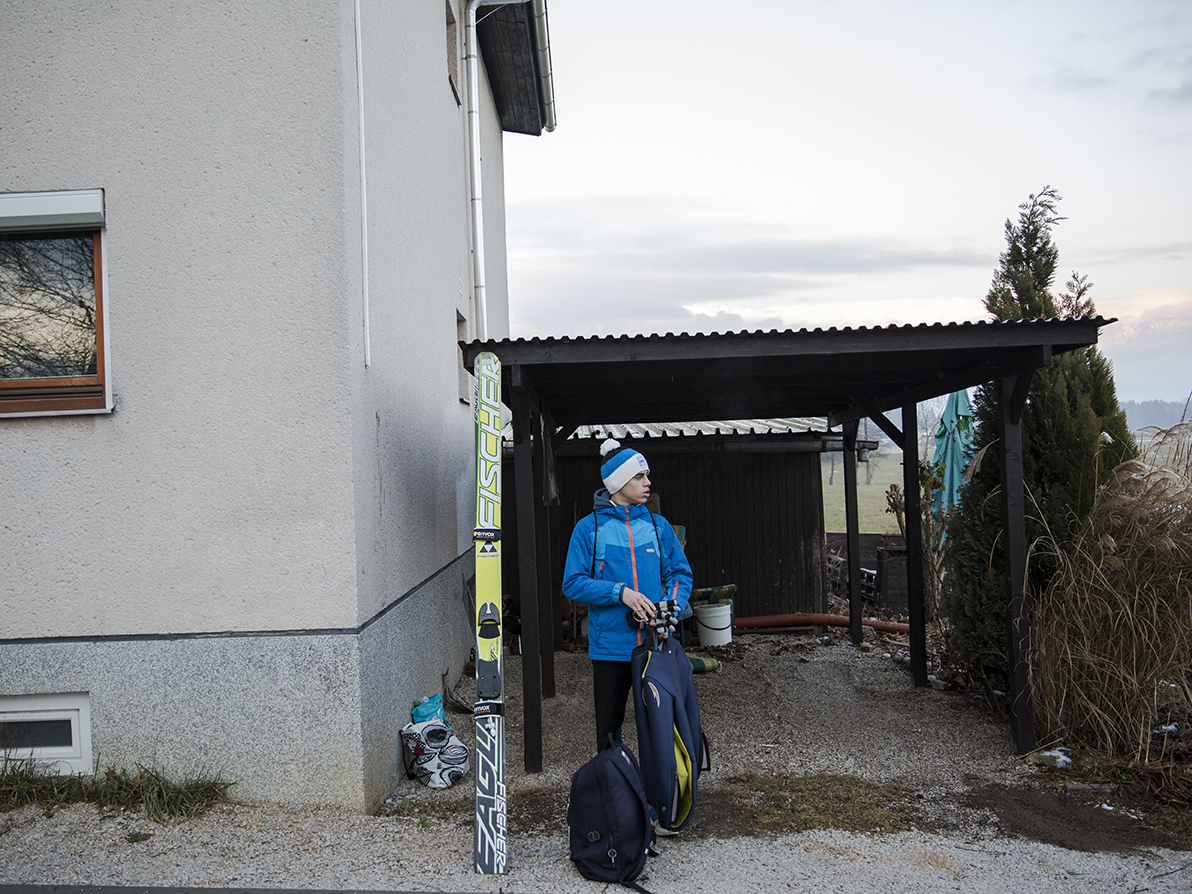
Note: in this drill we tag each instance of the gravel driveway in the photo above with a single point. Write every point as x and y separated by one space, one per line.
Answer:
783 711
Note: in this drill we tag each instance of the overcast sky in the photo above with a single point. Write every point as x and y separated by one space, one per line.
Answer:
722 167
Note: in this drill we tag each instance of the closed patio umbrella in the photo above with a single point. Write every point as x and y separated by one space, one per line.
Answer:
954 446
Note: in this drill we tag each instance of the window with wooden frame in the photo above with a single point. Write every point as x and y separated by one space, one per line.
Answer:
53 356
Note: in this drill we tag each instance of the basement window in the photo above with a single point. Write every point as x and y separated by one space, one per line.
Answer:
54 730
53 357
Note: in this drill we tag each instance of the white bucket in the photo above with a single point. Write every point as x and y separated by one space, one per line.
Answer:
714 623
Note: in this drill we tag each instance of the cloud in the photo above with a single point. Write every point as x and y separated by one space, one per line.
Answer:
1069 80
1172 319
1149 352
793 256
593 300
1170 63
634 235
1179 95
615 265
1168 251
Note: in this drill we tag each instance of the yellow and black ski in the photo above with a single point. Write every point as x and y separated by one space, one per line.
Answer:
489 850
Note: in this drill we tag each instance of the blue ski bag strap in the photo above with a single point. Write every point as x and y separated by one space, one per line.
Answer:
608 818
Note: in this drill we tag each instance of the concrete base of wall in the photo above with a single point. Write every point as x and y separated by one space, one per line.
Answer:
405 653
296 716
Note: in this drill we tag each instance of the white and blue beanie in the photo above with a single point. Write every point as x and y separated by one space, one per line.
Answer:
619 464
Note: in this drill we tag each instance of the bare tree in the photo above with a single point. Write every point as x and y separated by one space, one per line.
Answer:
929 412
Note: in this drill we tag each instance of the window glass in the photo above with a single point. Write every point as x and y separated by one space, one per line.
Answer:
19 734
48 306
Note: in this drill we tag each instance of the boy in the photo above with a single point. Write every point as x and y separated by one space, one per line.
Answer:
622 556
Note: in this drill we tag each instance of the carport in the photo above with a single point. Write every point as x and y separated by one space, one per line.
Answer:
555 385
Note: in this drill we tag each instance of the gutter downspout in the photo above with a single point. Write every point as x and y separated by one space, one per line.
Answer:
546 97
472 64
546 84
363 193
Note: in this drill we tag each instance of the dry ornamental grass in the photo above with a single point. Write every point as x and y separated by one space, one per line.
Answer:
1112 634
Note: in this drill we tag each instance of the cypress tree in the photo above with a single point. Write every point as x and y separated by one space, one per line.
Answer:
1073 433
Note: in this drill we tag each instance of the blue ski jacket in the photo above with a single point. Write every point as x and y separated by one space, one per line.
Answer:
633 548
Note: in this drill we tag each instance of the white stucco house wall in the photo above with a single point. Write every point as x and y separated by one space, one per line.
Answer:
239 540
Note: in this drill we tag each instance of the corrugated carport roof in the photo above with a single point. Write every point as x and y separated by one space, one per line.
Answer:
842 374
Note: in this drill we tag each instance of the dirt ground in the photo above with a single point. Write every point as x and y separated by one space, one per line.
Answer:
807 735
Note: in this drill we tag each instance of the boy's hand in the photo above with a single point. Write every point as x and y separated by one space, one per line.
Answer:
638 603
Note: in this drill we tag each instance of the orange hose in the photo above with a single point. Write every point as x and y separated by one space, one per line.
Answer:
808 619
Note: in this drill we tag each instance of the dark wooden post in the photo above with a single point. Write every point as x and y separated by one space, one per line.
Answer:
852 525
556 582
550 621
523 473
914 543
545 576
1012 391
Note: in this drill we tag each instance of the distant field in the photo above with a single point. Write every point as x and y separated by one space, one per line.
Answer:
886 469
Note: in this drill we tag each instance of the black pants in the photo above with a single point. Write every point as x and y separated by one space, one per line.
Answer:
611 682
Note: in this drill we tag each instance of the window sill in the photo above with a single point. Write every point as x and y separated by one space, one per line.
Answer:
57 405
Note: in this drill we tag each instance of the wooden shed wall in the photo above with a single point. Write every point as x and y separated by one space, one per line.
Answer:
753 519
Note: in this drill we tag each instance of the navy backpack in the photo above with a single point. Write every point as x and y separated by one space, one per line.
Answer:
608 818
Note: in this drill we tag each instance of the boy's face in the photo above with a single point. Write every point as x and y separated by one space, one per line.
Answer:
635 492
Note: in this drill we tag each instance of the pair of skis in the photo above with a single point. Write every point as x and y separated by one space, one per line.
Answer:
489 854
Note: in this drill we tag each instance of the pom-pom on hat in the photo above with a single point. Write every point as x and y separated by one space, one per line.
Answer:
619 464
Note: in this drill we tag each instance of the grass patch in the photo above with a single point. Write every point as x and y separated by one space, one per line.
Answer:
883 470
777 805
24 782
1173 821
